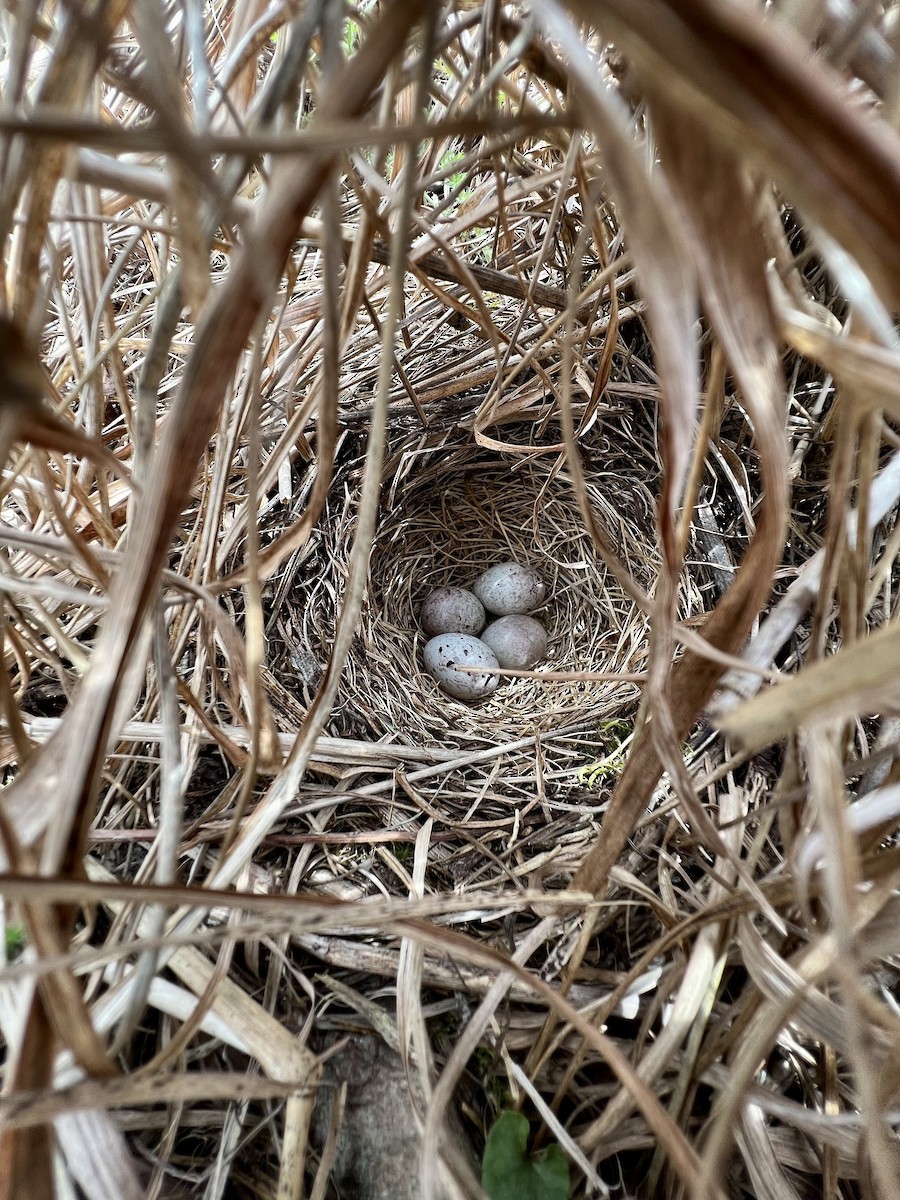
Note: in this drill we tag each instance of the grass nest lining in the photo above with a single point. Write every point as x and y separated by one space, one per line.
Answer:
450 510
302 205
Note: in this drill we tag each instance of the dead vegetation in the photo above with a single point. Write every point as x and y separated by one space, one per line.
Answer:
312 307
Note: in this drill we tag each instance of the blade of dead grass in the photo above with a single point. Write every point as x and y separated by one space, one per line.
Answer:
703 967
414 1045
716 198
33 1108
731 274
754 83
97 1156
681 1155
787 614
842 878
283 789
220 340
763 1168
66 85
667 278
859 679
871 373
61 784
27 1156
64 771
283 1056
732 281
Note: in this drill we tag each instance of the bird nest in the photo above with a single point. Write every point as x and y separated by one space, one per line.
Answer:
449 509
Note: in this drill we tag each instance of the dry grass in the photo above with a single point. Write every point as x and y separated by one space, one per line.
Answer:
307 312
456 510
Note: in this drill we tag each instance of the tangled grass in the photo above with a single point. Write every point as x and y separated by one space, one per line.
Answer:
311 308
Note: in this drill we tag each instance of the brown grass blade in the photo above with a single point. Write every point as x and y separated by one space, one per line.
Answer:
65 85
733 284
26 1156
72 759
754 83
667 276
859 679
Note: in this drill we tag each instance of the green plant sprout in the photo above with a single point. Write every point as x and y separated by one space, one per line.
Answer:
15 941
618 734
484 1067
457 178
508 1171
351 38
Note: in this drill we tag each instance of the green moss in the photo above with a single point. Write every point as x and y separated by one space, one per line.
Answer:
613 734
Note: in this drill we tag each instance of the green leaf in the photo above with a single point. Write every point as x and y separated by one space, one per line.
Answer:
508 1173
15 941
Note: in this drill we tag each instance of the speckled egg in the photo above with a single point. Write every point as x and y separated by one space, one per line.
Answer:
510 588
517 641
442 654
452 610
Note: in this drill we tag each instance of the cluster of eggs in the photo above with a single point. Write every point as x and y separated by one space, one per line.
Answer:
456 621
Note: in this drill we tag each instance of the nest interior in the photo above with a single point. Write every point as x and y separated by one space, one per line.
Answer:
450 509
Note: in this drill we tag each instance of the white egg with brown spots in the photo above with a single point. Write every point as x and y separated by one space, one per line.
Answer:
518 642
444 653
452 610
509 588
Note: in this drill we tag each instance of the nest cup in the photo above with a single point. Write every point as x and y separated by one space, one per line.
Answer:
448 513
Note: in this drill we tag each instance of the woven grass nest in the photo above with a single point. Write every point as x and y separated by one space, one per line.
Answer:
450 509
